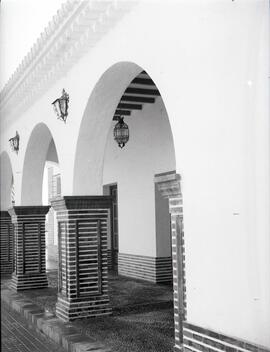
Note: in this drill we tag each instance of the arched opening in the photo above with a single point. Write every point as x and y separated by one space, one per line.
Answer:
95 126
51 189
128 175
6 181
40 149
41 183
139 238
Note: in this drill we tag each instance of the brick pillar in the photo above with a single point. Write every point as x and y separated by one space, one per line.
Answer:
29 247
83 267
6 233
50 217
169 186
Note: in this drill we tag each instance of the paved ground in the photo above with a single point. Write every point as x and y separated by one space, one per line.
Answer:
142 319
16 336
133 332
125 294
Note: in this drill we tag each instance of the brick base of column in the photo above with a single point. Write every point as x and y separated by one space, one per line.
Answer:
152 269
112 259
6 269
29 247
109 256
28 282
82 307
83 265
6 236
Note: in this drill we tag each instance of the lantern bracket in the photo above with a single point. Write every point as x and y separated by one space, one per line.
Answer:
60 106
15 142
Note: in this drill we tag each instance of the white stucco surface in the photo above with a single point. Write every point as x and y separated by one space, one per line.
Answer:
6 179
210 61
148 152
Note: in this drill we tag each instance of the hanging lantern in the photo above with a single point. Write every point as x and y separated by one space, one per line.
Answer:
61 106
14 142
121 132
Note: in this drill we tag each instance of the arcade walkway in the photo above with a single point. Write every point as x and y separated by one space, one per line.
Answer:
142 319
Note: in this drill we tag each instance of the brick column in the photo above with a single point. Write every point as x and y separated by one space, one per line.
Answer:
6 233
169 186
29 247
83 266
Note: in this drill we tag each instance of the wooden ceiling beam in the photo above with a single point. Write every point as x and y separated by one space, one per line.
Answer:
129 106
142 91
123 112
137 99
146 81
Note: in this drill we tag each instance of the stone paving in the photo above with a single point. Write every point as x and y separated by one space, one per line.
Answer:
17 336
142 319
126 294
140 332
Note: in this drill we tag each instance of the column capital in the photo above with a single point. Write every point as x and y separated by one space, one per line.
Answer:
26 210
82 202
169 184
4 214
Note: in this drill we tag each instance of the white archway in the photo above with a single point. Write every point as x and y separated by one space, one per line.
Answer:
150 151
95 147
40 147
142 218
95 126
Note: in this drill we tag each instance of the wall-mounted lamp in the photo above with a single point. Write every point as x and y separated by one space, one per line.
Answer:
14 142
121 132
61 106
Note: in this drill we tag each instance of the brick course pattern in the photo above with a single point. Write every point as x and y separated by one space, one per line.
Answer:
189 337
152 269
200 339
83 264
169 186
6 236
112 256
29 247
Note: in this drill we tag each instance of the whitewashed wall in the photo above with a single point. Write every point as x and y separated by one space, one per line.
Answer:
148 152
210 62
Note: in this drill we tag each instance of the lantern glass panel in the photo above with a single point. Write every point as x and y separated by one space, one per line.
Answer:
56 106
63 106
15 143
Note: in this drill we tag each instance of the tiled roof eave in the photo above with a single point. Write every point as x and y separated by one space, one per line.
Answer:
72 31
